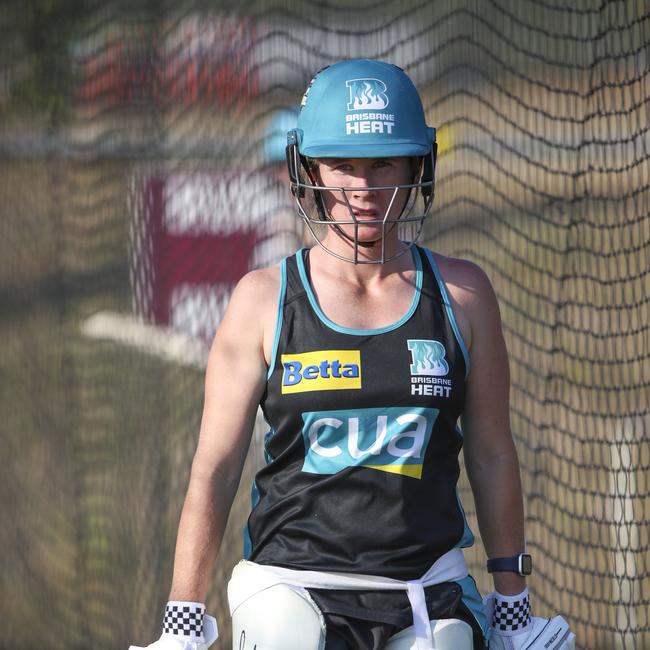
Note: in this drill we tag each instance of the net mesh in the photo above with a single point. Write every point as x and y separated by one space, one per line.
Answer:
139 183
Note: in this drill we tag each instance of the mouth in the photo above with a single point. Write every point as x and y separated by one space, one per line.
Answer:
366 215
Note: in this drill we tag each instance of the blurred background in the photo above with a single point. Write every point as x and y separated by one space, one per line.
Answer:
140 179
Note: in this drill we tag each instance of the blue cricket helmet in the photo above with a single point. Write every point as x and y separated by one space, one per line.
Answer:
362 109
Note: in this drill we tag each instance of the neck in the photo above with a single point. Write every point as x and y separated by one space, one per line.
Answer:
360 274
367 253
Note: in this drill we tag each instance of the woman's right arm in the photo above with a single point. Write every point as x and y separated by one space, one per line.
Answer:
235 380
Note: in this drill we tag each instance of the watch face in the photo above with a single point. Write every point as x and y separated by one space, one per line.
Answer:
526 564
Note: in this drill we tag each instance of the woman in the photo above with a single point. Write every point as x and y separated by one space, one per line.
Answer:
363 353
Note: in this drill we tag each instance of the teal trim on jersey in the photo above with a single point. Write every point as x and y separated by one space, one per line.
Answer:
450 310
360 332
255 497
278 320
267 436
467 539
474 602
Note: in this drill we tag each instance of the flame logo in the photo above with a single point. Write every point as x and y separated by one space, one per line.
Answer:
428 358
367 94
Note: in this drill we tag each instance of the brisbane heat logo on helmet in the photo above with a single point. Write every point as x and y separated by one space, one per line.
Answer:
367 94
371 97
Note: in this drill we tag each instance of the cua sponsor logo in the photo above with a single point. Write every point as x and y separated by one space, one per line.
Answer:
321 370
391 439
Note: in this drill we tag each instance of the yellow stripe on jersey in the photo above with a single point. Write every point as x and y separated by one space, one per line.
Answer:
414 471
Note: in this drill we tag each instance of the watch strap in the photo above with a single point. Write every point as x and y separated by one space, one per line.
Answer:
521 564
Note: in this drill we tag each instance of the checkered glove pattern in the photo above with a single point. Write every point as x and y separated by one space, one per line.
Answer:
513 628
511 613
186 626
184 619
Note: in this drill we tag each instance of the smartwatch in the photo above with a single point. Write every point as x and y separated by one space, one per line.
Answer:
521 564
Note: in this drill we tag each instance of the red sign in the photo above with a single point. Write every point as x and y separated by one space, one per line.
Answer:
189 250
200 61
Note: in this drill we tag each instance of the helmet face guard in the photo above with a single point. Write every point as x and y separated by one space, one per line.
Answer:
362 109
409 221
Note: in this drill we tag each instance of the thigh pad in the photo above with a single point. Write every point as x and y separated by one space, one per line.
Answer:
278 618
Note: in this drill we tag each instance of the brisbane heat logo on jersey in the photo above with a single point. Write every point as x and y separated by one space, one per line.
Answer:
368 95
391 439
427 357
428 368
321 370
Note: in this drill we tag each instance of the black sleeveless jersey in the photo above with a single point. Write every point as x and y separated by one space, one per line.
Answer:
362 452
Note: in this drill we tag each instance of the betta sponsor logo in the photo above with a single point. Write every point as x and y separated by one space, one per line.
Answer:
321 370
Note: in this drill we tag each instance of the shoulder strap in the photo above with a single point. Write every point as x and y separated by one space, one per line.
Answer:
295 287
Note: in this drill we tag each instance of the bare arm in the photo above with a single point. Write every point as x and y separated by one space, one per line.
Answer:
489 450
234 383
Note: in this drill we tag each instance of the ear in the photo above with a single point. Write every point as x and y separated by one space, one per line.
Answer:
311 167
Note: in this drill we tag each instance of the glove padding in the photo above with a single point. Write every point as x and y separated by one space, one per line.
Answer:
172 642
539 634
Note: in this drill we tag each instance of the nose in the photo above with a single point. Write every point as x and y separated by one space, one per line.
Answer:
363 186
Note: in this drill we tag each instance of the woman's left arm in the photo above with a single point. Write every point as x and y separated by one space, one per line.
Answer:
492 465
489 450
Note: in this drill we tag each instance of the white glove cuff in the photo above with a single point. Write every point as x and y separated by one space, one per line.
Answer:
511 614
184 620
